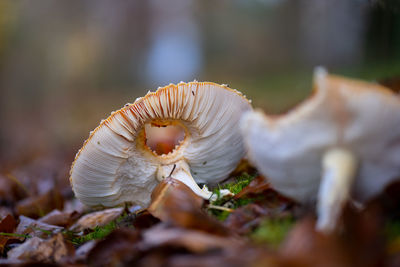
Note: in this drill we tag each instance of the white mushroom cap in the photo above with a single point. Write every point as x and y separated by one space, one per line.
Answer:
116 166
351 115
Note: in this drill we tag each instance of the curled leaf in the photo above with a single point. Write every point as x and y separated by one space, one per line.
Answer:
98 218
35 249
176 203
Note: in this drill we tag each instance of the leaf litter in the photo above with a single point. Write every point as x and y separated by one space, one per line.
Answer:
254 227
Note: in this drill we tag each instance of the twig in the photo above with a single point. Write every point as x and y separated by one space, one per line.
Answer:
211 206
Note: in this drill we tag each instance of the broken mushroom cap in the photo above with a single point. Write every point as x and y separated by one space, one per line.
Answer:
343 141
115 165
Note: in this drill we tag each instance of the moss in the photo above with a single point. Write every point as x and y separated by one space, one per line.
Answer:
99 232
392 234
240 182
272 231
221 215
235 187
392 230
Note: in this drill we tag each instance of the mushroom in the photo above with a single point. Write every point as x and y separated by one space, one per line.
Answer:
116 166
343 142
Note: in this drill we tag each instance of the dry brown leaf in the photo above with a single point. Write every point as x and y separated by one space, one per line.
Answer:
191 240
11 262
358 243
159 244
7 225
60 218
9 189
144 220
38 206
171 192
165 246
362 235
83 251
53 250
117 248
306 247
256 186
35 228
244 219
98 218
176 203
5 211
267 203
235 257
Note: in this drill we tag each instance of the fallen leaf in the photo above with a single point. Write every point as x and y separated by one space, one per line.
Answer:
176 203
28 226
170 246
11 262
116 249
83 251
144 220
38 206
358 243
53 250
98 218
5 211
244 219
256 186
266 203
306 247
60 218
192 240
173 190
9 190
362 236
244 255
394 246
158 245
7 225
393 261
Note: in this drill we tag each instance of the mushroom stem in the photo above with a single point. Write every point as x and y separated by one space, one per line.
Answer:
339 168
180 171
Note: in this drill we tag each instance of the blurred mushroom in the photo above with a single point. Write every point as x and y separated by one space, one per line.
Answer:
115 165
348 131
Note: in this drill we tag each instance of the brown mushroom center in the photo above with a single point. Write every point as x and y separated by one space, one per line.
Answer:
163 138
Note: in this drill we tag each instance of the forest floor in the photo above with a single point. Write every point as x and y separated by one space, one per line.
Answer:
42 222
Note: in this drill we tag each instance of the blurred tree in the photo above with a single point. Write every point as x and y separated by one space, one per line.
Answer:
383 35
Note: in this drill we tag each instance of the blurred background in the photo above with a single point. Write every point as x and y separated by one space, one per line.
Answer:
65 65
